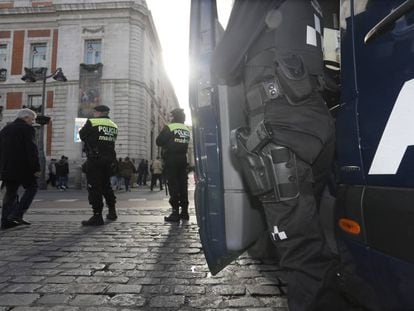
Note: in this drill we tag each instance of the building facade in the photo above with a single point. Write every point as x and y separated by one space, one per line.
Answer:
109 52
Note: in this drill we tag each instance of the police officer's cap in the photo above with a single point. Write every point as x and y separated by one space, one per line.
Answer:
101 108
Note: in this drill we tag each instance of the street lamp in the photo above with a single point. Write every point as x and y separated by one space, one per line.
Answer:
40 74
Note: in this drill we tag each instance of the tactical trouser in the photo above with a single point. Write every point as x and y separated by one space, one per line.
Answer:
98 175
285 185
176 175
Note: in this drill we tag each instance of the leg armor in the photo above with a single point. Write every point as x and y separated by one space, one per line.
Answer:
270 170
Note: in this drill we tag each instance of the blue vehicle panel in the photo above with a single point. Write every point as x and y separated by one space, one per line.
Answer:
375 154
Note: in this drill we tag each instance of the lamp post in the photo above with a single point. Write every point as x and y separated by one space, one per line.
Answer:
40 74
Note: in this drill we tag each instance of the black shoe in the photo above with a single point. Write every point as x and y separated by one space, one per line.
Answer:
95 220
23 222
174 217
9 224
112 215
184 216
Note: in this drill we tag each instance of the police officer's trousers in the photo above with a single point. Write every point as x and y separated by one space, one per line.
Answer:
310 267
177 179
99 171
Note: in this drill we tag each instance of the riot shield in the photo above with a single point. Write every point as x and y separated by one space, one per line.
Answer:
228 222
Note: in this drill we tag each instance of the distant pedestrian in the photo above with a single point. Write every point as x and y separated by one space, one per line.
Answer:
145 173
119 178
62 173
99 135
174 139
19 166
141 170
126 171
52 173
156 171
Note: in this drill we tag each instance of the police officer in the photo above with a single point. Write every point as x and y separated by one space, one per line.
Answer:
274 49
99 134
174 139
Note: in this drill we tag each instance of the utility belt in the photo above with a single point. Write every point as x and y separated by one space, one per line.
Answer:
291 80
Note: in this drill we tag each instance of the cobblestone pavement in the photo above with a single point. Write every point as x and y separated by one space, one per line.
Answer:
125 265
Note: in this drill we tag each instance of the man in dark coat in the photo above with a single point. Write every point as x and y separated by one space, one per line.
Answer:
19 166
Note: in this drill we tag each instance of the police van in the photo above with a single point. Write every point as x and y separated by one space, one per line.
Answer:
369 51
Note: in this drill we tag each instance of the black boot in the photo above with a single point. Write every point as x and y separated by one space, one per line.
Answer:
184 215
111 214
95 220
174 217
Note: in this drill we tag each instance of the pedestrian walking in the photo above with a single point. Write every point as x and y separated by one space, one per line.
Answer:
51 168
145 173
62 173
99 135
19 166
126 171
156 173
141 170
119 178
174 139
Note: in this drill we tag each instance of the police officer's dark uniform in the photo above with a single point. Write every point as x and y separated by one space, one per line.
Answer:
274 48
174 139
99 134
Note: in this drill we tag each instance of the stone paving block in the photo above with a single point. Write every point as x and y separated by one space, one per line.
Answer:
123 266
55 288
277 302
124 289
27 279
29 309
45 265
150 267
126 300
117 279
205 302
89 300
229 290
17 299
159 290
167 301
101 309
135 273
19 265
44 272
263 290
171 281
59 279
243 302
21 288
87 288
77 272
189 290
63 308
90 279
70 265
54 299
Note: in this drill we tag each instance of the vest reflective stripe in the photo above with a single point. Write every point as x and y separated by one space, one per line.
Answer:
107 129
103 121
175 126
180 132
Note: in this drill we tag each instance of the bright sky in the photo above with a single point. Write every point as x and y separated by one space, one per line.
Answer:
172 21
